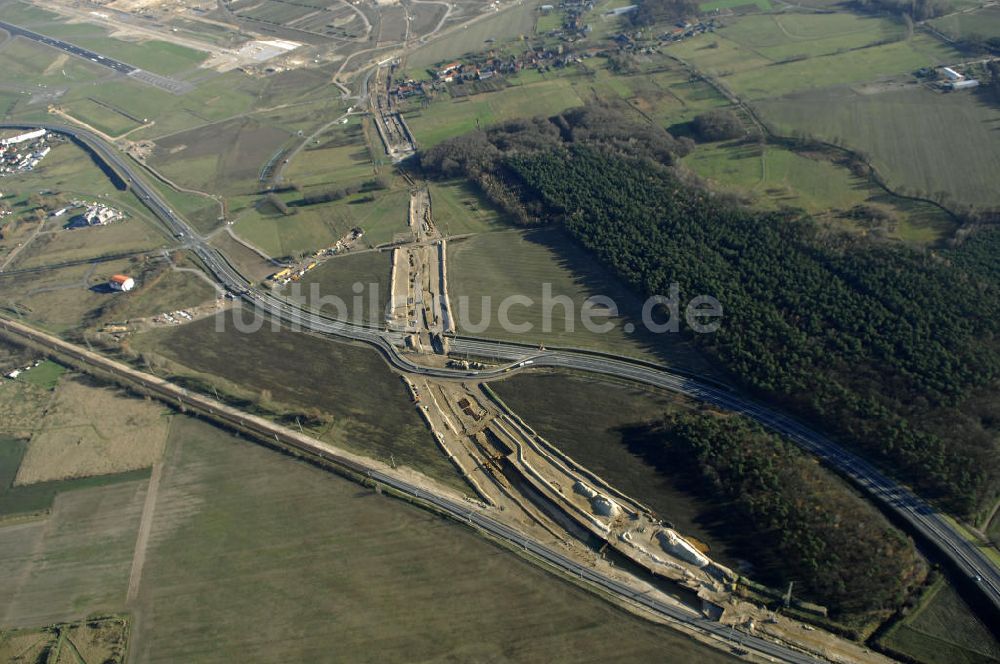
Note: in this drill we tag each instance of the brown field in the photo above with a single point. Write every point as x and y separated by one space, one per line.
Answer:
72 441
355 401
22 407
97 641
254 556
26 646
76 562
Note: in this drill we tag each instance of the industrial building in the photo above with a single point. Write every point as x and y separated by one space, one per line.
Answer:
21 138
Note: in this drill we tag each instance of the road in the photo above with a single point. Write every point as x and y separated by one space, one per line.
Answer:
923 519
460 511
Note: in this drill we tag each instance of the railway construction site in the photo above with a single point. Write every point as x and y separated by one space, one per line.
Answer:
539 529
418 300
395 135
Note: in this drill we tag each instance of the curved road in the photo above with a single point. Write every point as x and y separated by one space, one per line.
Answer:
924 520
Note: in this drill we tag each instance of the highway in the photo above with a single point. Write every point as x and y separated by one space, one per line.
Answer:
923 519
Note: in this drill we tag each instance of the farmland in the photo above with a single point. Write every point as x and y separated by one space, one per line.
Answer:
319 226
95 641
504 26
457 116
336 158
983 23
225 157
336 279
458 208
69 443
664 93
304 376
920 140
75 562
101 117
281 524
773 176
498 265
943 630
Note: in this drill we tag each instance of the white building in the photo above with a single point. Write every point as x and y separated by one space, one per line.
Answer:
121 282
952 74
964 84
21 138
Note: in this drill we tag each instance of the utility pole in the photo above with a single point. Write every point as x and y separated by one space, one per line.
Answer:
788 594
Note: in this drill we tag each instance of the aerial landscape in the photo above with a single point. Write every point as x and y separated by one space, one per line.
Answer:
500 331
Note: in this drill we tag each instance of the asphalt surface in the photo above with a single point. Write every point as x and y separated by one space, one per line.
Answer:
923 519
72 49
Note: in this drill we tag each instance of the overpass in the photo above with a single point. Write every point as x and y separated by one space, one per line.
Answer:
923 520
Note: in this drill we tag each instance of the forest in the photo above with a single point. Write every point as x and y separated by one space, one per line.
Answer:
890 350
838 550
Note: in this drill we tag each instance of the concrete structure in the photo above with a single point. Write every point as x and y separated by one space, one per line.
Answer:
964 84
21 138
121 282
951 74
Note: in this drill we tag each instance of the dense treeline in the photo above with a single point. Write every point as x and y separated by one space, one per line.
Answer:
918 10
482 155
721 125
331 195
838 550
649 12
891 350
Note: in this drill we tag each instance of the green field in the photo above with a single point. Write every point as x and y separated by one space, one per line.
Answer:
75 562
46 375
153 55
61 299
335 159
982 23
754 76
763 5
921 140
100 117
775 177
498 265
507 25
26 62
778 37
363 405
126 236
451 117
37 498
254 556
319 226
665 94
943 630
458 208
336 278
167 291
224 158
779 176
